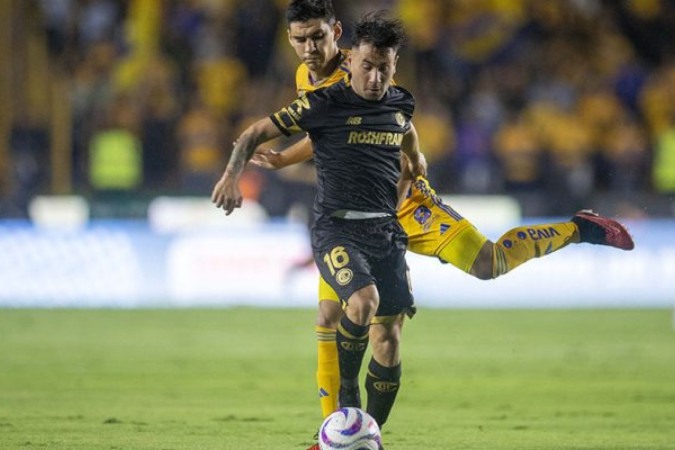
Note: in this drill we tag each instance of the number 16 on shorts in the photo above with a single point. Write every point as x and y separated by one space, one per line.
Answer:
336 260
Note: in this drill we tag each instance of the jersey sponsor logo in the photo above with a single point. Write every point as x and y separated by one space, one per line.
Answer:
542 233
400 119
444 228
422 214
386 386
375 138
344 276
354 120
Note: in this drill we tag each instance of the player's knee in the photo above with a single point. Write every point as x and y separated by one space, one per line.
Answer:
482 267
329 314
362 305
328 321
482 273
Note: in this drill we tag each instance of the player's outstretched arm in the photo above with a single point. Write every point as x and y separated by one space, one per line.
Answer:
226 192
411 149
296 153
404 181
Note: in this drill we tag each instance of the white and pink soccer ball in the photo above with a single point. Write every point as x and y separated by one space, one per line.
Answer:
349 429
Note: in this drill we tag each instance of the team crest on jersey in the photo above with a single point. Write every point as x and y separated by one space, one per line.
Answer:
422 214
344 276
400 119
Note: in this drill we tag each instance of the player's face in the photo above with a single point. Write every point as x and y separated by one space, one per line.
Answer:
315 42
372 70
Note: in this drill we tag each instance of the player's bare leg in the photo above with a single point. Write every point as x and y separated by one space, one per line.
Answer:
329 314
362 305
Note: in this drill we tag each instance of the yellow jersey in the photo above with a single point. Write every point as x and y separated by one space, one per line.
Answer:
304 82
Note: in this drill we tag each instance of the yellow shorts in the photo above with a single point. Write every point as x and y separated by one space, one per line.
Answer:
326 292
435 229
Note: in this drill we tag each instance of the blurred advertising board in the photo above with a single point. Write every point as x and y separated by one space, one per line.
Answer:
129 264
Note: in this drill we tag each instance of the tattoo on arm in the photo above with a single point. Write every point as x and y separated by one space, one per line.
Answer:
241 154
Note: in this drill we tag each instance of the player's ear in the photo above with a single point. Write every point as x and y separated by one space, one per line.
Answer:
337 30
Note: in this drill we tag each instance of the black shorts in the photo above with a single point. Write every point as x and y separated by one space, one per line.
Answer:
352 254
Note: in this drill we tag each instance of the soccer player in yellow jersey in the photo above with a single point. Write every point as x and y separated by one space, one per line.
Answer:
433 228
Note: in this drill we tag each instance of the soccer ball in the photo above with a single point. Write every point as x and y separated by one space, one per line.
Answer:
349 429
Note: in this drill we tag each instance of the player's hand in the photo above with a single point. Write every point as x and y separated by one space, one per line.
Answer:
266 158
226 194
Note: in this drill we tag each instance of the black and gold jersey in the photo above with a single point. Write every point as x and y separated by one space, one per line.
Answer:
357 145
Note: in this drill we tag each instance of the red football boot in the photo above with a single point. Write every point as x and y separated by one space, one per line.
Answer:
596 229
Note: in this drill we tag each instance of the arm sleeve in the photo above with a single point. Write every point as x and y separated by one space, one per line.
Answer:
295 117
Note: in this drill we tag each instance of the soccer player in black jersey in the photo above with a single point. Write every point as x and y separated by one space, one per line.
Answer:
434 229
358 127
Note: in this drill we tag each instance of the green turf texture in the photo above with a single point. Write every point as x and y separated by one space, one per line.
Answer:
244 379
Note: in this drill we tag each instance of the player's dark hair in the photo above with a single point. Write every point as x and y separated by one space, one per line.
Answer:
304 10
380 31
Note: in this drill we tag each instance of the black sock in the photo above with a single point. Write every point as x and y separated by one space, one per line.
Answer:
352 341
382 384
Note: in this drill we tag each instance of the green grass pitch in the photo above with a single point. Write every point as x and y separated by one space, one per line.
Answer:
244 379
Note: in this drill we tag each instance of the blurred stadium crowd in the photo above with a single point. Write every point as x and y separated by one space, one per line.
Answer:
560 103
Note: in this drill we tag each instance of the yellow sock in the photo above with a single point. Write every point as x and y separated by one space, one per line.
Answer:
522 244
328 371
